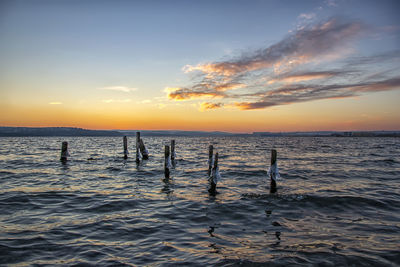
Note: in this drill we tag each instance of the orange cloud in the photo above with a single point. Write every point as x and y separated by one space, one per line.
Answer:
228 86
202 90
243 105
304 93
306 77
327 40
378 86
206 106
227 69
271 76
187 94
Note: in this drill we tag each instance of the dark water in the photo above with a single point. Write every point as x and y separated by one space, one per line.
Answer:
338 203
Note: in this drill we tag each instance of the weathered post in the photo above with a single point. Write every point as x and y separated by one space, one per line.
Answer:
143 149
210 156
214 177
173 150
273 171
167 162
125 147
137 147
64 151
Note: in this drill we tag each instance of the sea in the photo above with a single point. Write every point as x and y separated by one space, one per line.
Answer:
337 202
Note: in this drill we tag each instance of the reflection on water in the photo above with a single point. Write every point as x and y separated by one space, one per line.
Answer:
337 202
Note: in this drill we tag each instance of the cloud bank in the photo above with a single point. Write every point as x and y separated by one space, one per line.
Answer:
314 62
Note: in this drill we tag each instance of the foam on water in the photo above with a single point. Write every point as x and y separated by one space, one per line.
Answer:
337 204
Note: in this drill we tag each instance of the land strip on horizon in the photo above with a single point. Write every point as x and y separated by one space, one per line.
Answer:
71 131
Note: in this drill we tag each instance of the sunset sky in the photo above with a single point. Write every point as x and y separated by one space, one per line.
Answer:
238 66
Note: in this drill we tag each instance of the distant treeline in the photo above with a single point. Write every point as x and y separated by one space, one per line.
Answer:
333 134
54 131
70 131
368 134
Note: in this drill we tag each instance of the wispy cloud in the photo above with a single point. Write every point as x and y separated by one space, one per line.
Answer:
55 103
304 76
192 93
329 39
331 3
119 88
206 106
307 16
117 100
204 89
303 93
314 62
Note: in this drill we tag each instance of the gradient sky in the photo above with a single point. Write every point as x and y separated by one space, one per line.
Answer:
239 66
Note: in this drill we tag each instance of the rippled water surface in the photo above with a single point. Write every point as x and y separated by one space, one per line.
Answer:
338 203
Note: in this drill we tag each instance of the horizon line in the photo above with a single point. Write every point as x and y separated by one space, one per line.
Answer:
206 131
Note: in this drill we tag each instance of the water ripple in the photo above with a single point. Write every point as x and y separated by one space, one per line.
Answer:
338 203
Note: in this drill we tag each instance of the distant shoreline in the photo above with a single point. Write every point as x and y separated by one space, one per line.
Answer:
71 131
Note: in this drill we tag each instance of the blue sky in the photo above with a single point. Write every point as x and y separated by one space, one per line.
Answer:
82 52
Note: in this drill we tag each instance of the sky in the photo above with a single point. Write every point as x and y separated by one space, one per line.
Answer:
238 66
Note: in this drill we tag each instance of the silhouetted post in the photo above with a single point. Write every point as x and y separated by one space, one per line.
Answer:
214 176
143 149
64 151
173 150
137 147
167 163
210 155
125 147
273 171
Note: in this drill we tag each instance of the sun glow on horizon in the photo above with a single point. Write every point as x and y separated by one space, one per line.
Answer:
128 116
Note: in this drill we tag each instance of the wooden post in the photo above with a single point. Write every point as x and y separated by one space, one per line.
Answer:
166 162
273 161
213 186
216 161
210 155
143 149
137 147
125 147
64 151
172 150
